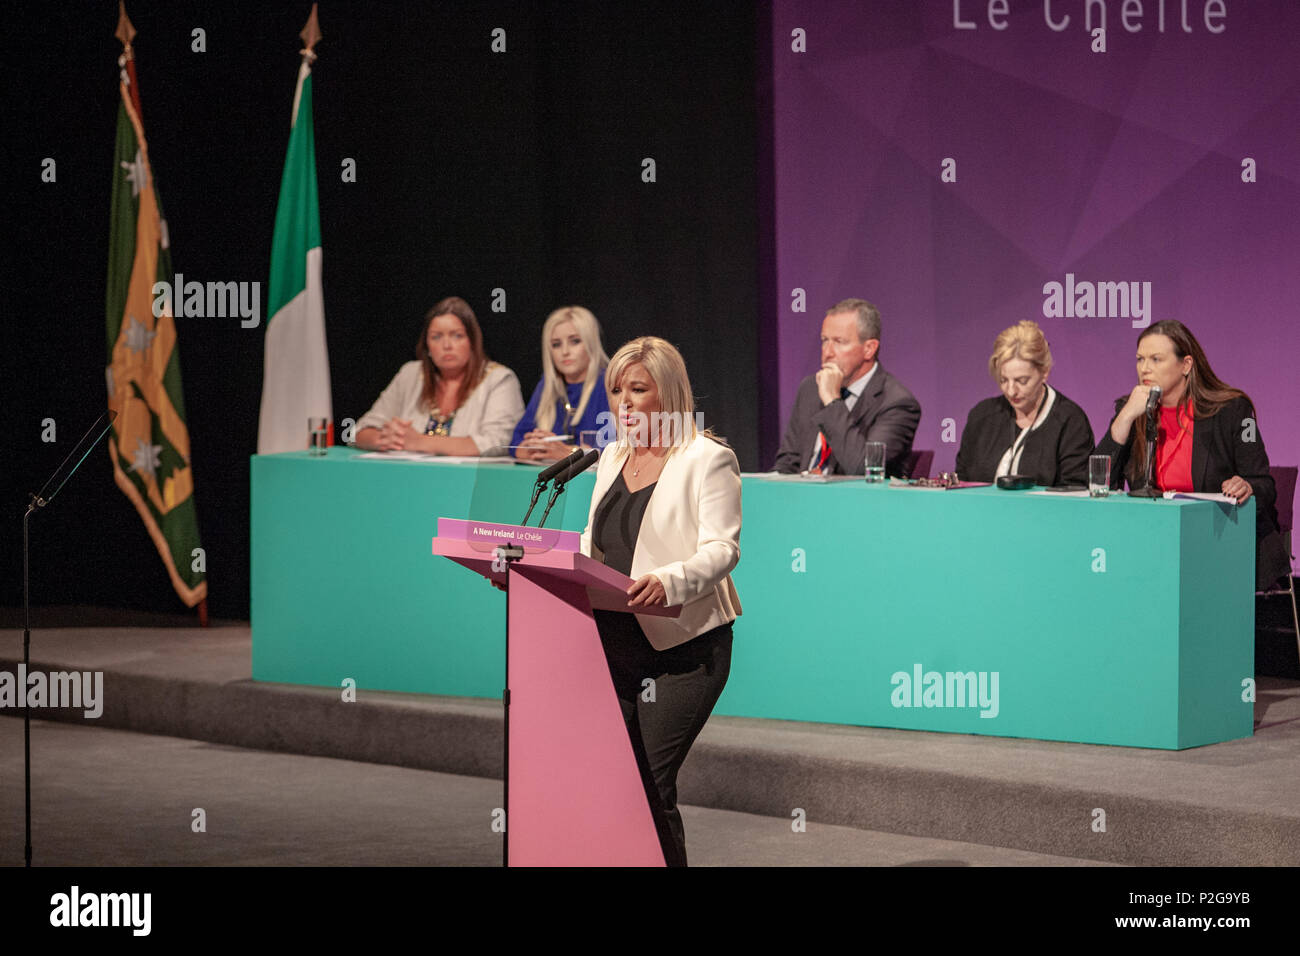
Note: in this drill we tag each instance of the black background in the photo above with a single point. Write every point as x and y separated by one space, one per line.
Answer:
475 170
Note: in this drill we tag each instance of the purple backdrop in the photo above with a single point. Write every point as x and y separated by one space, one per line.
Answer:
1123 166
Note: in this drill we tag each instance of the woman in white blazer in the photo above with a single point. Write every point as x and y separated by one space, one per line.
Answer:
666 511
452 400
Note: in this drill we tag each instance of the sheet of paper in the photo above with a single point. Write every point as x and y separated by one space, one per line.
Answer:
1061 494
812 479
431 459
1202 496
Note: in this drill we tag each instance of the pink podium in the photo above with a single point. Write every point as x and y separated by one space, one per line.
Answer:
574 795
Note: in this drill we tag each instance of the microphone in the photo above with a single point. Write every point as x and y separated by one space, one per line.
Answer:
1149 489
1153 399
559 466
578 467
572 472
546 475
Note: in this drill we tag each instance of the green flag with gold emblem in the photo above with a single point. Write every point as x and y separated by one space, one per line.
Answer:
149 443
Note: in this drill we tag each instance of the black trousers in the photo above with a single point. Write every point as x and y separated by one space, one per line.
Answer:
666 698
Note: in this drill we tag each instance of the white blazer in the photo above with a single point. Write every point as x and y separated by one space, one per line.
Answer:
488 416
689 537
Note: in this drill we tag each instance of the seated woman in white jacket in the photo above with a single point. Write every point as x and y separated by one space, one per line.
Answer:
452 400
666 511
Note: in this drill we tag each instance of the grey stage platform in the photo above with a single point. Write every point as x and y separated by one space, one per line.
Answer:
963 797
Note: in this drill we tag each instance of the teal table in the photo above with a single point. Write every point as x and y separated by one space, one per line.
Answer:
1115 621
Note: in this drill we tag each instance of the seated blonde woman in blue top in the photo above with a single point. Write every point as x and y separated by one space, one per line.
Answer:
571 396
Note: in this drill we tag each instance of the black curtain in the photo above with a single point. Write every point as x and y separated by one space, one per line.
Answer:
475 171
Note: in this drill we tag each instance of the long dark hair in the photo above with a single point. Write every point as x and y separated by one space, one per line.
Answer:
452 305
1206 392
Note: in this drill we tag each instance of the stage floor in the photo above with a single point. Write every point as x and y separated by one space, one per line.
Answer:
275 809
258 757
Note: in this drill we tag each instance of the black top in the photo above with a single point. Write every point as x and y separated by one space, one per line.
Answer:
618 522
1055 453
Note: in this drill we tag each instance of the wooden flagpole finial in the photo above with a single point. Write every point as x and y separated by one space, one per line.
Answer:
125 31
310 34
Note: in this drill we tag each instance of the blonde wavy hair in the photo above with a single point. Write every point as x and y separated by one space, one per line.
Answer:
667 368
1024 340
553 385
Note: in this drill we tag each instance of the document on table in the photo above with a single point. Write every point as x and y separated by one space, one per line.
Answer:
1169 495
432 459
804 479
1202 496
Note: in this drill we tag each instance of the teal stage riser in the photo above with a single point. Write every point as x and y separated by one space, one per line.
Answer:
1115 621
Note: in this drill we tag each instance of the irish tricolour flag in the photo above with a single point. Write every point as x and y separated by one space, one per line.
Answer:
296 376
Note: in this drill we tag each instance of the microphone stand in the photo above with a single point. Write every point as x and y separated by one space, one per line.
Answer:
557 469
27 714
556 490
1149 489
40 500
537 493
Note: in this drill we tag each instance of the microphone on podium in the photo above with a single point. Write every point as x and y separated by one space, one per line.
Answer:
546 475
570 473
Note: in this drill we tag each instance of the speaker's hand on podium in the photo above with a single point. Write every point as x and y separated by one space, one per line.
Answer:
646 591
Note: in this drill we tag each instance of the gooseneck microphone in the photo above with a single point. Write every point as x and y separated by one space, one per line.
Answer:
546 475
572 472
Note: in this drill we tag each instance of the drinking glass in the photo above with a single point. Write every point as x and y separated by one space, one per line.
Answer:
1098 476
875 465
318 436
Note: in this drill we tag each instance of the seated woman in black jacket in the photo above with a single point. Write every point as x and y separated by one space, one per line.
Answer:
1208 441
1032 429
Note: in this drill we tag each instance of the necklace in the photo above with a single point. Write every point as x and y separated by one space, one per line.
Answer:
439 424
637 470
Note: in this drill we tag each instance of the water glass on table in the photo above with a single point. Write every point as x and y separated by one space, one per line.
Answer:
318 436
875 464
1098 476
587 439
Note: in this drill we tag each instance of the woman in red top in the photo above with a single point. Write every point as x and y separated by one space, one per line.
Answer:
1209 437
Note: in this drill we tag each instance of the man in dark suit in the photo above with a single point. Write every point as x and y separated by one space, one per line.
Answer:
852 400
